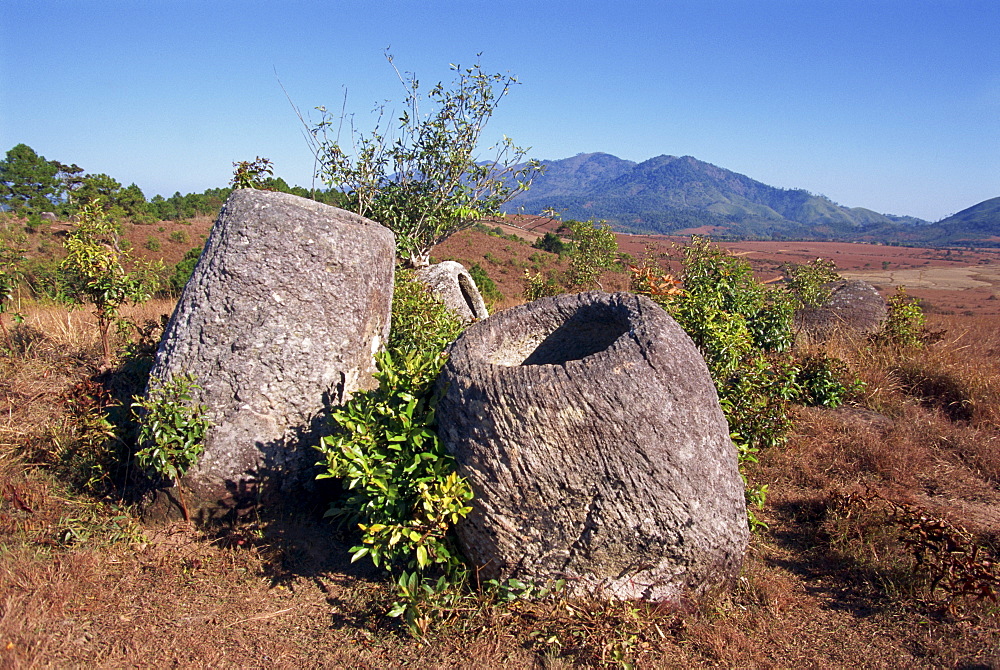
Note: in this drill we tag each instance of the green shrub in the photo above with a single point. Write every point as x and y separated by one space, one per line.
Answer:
741 328
538 286
183 270
143 219
824 381
171 431
400 484
179 237
720 286
44 279
152 243
595 250
552 243
904 324
420 321
251 174
487 287
807 282
97 271
402 487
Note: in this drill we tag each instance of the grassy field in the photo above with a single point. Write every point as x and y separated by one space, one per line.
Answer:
883 522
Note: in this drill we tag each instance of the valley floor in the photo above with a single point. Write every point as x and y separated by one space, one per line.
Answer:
832 582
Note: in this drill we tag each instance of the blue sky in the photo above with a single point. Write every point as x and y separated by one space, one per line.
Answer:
890 105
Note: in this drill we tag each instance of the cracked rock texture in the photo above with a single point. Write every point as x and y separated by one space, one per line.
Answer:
282 316
592 436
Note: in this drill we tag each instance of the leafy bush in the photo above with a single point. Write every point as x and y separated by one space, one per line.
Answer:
172 430
95 270
420 321
552 243
807 282
595 249
487 287
721 287
400 483
538 286
251 174
428 182
824 381
402 488
44 278
179 237
904 324
152 243
744 330
740 326
183 270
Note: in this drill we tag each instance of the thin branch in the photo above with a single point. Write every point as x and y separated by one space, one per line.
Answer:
261 617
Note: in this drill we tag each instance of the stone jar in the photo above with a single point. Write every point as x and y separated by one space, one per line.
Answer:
280 319
452 283
854 310
592 436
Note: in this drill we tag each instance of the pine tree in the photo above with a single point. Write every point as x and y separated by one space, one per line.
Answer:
28 182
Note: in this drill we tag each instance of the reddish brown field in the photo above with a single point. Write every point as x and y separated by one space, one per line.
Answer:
948 281
829 584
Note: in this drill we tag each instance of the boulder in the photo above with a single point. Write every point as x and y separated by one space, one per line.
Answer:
591 434
854 310
280 319
453 284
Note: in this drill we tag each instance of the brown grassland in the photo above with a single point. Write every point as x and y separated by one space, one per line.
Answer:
883 515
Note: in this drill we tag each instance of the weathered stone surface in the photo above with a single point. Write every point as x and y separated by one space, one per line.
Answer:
451 282
282 315
592 436
854 309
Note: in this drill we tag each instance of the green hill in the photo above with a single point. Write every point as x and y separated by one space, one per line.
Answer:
978 225
669 194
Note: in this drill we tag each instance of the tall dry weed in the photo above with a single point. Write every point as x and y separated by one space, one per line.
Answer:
76 330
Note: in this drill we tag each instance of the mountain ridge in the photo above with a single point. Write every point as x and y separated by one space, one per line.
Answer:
674 194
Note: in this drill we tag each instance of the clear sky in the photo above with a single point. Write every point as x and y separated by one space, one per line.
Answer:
892 105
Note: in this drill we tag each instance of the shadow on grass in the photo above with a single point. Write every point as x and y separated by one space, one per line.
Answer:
841 582
286 527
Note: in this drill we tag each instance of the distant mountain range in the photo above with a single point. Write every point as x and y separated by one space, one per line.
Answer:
671 195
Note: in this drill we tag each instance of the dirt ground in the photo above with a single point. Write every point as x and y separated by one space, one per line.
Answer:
830 583
948 281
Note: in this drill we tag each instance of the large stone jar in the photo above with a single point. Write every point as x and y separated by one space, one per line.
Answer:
452 283
854 310
592 436
280 319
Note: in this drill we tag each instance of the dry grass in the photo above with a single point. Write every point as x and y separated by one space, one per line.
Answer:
83 583
61 329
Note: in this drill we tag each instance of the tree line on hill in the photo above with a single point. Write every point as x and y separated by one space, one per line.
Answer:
30 184
669 195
